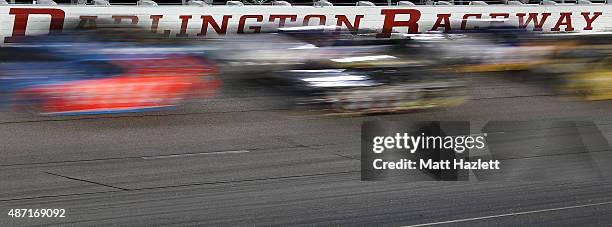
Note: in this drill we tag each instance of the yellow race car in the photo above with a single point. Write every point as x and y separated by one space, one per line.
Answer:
592 84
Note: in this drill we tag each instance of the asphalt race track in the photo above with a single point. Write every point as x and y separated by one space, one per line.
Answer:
245 159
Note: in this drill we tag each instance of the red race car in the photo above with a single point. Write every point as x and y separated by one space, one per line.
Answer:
77 73
142 85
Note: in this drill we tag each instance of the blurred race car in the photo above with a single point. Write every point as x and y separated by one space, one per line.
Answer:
499 49
594 83
372 90
581 66
361 74
74 73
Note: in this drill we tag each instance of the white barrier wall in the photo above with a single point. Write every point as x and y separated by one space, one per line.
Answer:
190 21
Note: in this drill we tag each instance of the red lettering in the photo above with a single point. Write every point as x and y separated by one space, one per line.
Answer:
155 24
589 20
390 22
446 19
184 21
282 19
532 17
242 21
343 20
21 21
465 18
322 19
565 19
206 20
120 18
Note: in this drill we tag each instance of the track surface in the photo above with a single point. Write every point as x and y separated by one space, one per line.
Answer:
241 159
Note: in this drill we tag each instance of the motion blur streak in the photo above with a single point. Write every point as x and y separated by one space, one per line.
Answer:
113 70
344 72
76 73
283 99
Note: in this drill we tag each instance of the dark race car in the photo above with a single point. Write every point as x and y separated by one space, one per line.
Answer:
368 90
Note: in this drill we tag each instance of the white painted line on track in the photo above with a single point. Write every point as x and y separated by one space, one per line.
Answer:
194 154
511 214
